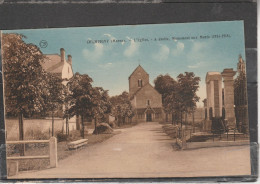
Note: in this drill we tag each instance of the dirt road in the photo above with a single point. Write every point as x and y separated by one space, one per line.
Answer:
145 151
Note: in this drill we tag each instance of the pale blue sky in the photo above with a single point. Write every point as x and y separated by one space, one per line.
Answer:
110 64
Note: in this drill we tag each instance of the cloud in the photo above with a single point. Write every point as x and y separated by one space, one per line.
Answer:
163 53
179 48
198 46
199 52
196 65
132 49
106 65
95 54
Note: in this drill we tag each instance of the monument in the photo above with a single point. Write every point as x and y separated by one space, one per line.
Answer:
228 81
214 97
216 100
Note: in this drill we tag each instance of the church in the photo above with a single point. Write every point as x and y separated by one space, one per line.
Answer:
145 100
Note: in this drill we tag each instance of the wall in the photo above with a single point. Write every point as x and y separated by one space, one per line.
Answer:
148 93
139 73
35 125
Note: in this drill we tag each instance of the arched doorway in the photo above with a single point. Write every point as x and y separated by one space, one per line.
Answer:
148 116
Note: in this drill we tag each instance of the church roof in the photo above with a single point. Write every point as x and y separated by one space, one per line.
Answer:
52 63
143 110
139 66
142 88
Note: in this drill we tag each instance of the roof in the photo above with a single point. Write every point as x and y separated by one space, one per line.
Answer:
139 66
145 86
131 97
52 63
143 110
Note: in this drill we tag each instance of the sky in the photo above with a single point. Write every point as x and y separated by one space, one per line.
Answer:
159 48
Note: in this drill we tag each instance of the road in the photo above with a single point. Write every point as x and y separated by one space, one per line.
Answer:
146 151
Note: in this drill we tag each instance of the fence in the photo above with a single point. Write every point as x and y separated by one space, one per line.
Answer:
185 139
52 151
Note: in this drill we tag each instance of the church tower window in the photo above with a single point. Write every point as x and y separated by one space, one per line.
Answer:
140 83
148 102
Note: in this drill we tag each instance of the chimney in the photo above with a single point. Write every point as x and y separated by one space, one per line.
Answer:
62 54
70 59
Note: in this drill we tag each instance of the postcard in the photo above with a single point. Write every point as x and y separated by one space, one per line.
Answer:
130 101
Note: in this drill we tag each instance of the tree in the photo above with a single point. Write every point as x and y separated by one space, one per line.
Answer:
240 99
188 85
100 105
166 86
23 78
122 108
79 99
55 97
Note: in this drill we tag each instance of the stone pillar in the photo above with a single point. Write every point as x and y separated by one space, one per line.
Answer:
214 96
228 81
53 152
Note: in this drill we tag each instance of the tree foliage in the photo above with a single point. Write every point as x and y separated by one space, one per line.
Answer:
178 96
121 107
188 85
24 77
166 86
86 100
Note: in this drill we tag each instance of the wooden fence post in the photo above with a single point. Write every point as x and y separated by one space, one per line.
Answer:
53 152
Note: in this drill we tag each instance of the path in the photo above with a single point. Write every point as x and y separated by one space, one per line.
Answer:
145 151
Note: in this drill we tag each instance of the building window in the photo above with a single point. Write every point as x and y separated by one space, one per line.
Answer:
140 83
148 102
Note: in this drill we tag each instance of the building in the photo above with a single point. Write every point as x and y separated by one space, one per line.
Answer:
57 64
146 101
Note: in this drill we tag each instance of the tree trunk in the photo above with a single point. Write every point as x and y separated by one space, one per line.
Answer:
95 126
82 123
166 117
181 119
21 135
68 126
52 125
186 115
67 123
77 122
62 127
193 122
118 121
172 118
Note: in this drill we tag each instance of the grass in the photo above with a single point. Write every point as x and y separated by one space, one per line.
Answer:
43 149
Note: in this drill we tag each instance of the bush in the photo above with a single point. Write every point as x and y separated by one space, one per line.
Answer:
36 135
112 124
103 128
62 137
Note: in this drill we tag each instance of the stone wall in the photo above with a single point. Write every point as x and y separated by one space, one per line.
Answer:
139 73
148 93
